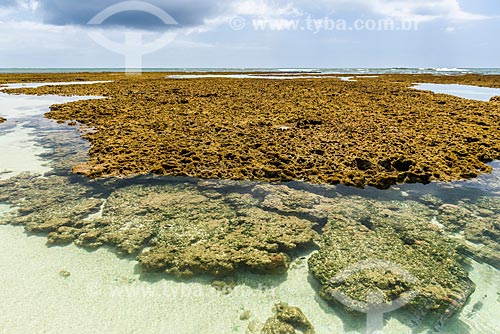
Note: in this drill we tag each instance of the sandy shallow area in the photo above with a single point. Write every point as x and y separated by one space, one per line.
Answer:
106 294
19 154
19 150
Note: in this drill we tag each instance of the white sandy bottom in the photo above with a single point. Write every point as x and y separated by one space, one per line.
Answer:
486 319
104 294
19 153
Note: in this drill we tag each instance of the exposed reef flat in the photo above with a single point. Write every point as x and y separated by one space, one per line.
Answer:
373 131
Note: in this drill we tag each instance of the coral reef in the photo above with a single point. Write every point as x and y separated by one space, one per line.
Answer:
217 227
441 285
403 233
174 228
287 320
476 225
193 232
368 132
53 205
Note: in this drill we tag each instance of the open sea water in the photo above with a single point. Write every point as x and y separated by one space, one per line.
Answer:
397 70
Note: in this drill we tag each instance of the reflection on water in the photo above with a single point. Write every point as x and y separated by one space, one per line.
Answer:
19 148
41 84
464 91
243 76
91 292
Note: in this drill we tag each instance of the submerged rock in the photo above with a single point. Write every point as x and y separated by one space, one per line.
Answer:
225 286
64 274
52 205
175 228
185 229
190 232
292 201
407 260
287 320
476 225
245 315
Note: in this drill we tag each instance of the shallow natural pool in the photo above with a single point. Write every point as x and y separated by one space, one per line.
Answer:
463 91
99 292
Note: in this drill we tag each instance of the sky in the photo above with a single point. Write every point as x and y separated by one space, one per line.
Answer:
250 33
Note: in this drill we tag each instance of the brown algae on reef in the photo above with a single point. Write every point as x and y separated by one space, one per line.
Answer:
369 132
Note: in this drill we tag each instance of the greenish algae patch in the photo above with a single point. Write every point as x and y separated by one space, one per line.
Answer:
440 283
174 228
287 320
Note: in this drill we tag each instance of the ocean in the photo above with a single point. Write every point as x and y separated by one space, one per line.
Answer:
396 70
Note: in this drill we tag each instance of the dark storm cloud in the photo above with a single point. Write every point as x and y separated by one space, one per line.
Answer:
185 12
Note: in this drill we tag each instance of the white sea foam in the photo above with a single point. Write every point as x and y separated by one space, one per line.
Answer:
447 69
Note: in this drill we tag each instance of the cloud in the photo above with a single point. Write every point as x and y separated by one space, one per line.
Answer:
263 8
185 12
424 10
8 3
19 4
419 10
204 15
